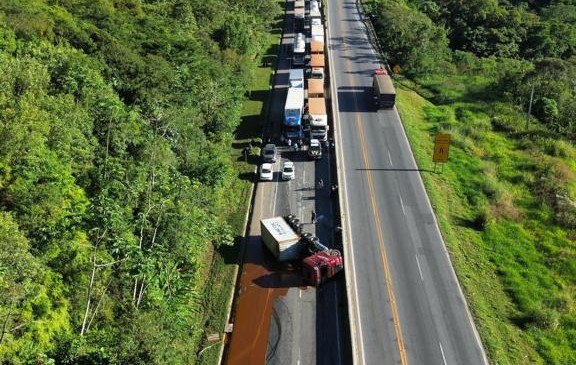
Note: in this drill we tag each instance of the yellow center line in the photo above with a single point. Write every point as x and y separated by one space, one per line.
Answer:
383 254
377 220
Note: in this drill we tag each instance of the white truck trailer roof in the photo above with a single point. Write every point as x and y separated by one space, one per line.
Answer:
315 9
296 77
280 238
294 106
295 98
300 43
318 33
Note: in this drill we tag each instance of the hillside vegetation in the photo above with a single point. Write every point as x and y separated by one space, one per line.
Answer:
506 200
116 176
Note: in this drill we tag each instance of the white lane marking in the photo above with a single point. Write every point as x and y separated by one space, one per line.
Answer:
445 249
442 351
390 158
275 191
300 293
300 203
402 204
419 268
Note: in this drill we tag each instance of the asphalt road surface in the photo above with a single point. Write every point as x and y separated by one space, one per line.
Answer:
277 318
406 304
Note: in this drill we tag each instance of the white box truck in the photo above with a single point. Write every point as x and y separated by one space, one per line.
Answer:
280 239
299 50
293 110
317 33
299 11
317 64
315 9
296 78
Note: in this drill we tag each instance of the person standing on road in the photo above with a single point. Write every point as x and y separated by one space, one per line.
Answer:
313 217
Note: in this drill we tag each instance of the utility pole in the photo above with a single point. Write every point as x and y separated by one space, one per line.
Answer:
529 107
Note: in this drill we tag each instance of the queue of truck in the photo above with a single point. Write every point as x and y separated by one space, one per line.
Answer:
305 111
304 118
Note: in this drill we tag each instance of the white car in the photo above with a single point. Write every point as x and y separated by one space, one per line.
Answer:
266 172
288 170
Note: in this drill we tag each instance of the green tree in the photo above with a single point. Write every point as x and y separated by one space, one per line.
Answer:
409 38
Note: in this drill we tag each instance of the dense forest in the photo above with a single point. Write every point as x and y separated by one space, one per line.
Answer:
500 77
516 45
116 124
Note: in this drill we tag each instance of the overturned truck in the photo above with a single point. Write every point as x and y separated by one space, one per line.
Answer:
284 239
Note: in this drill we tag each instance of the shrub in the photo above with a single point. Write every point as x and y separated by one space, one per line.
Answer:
491 188
442 116
551 187
504 206
557 148
482 219
506 118
256 151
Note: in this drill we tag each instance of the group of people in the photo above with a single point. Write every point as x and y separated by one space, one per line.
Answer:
296 143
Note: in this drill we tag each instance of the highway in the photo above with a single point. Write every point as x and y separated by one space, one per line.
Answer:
404 299
277 319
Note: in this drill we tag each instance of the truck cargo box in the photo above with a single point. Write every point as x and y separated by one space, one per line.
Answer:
315 9
317 60
315 88
296 78
384 92
299 18
318 119
280 239
317 33
316 106
316 47
299 50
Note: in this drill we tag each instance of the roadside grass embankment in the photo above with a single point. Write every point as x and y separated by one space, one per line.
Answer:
224 262
504 209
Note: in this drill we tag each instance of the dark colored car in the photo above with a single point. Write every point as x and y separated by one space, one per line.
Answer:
269 153
315 149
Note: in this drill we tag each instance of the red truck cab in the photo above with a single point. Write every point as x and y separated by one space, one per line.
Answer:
321 266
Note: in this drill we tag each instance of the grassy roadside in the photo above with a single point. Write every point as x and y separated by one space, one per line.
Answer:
224 262
515 264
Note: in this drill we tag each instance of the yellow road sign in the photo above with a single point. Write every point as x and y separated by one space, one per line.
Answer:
441 146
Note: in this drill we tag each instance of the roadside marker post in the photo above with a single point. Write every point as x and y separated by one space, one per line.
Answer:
441 147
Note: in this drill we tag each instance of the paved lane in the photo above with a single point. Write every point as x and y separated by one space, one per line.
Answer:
409 307
277 319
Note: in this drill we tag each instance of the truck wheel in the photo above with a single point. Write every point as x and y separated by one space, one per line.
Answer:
334 252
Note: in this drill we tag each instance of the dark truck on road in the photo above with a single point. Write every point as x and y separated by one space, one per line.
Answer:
383 90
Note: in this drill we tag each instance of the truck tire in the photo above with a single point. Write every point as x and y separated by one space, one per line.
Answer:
334 252
298 228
